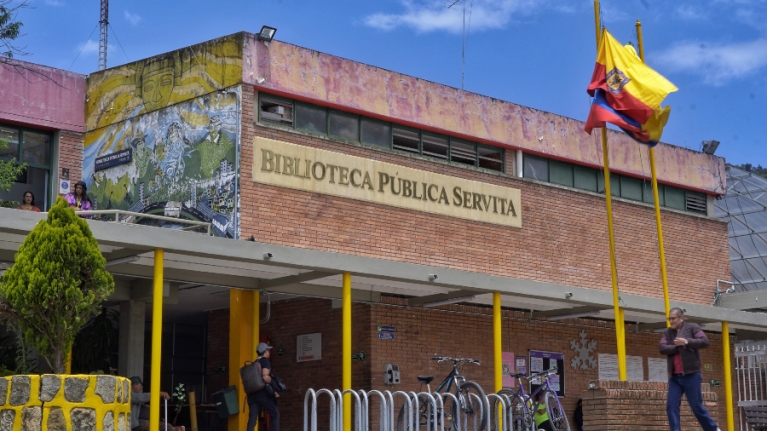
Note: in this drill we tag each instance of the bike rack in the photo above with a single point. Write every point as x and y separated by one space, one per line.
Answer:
384 424
407 405
310 419
500 421
457 418
431 411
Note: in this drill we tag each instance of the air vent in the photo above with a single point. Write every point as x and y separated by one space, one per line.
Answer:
696 203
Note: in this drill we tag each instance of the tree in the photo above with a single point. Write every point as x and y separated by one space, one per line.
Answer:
9 171
10 28
57 282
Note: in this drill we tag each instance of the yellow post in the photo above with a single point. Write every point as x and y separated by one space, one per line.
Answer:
346 360
240 349
154 403
69 362
497 341
193 411
256 306
619 326
727 376
658 225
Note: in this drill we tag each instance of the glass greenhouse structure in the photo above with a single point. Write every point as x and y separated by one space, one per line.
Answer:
745 208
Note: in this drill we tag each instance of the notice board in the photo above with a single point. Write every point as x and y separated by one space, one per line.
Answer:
543 361
309 347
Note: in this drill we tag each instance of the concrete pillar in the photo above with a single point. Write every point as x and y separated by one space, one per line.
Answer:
131 353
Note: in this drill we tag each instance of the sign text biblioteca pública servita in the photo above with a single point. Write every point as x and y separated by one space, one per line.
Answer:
384 183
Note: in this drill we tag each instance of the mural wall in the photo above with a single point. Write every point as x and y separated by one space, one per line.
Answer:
144 86
183 165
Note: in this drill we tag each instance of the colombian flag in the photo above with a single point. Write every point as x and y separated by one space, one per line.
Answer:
627 93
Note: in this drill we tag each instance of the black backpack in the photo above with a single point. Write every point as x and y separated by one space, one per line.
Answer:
277 384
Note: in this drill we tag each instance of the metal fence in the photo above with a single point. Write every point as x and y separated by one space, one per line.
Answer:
120 216
751 371
405 411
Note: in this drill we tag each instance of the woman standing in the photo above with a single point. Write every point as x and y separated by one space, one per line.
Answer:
28 202
78 198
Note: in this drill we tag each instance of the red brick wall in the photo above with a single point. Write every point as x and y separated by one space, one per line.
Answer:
71 155
454 330
563 238
218 351
631 406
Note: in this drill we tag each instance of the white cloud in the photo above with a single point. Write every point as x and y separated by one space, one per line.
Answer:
717 64
132 18
91 47
433 15
54 2
690 13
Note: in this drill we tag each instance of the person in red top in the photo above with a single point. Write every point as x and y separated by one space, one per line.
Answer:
28 203
680 344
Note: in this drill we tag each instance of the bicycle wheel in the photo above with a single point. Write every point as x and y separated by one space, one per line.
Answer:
521 419
473 406
424 416
557 415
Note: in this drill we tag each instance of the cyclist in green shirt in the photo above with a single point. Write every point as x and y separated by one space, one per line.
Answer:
541 415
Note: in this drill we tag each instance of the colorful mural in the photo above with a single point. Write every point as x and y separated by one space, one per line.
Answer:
183 163
144 86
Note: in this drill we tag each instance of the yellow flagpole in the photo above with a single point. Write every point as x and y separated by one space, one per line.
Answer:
619 326
659 226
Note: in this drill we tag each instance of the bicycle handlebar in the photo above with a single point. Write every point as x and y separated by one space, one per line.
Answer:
445 358
547 373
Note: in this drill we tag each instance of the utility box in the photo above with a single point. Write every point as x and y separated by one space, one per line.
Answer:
391 374
226 402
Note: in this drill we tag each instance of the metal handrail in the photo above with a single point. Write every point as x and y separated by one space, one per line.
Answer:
194 224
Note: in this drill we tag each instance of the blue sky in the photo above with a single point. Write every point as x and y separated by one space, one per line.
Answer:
538 53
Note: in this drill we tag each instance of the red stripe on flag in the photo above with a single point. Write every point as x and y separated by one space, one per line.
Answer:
598 116
624 101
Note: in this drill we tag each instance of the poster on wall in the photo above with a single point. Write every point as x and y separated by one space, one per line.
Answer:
656 370
309 347
608 367
183 164
544 361
507 362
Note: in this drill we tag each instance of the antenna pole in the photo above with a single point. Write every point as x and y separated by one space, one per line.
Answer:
463 47
104 23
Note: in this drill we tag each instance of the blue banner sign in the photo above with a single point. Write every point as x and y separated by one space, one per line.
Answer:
114 159
383 328
386 335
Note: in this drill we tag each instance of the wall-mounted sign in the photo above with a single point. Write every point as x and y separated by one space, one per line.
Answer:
507 364
608 367
64 186
280 351
328 172
219 370
361 356
384 328
114 159
656 370
713 383
309 347
386 335
544 361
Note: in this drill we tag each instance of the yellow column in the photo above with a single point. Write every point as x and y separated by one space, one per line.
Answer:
69 362
240 348
658 225
619 327
497 342
154 403
727 376
347 348
256 306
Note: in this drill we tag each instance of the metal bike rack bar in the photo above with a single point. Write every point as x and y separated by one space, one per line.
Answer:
499 421
361 417
431 411
383 420
407 405
310 418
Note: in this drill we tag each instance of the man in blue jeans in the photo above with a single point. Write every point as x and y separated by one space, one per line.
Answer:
680 344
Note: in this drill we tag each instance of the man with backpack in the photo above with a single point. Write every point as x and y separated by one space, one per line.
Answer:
263 399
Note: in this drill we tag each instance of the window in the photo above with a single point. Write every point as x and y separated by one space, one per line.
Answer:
344 125
317 119
276 110
580 177
34 148
312 118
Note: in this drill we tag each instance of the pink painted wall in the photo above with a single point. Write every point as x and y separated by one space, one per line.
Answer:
42 96
313 76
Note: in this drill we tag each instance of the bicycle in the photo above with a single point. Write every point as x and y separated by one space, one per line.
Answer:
471 401
522 408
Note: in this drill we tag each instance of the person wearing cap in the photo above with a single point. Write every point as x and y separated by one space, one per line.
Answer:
262 399
78 197
139 397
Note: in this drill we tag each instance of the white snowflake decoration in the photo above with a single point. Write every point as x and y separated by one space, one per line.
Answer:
583 349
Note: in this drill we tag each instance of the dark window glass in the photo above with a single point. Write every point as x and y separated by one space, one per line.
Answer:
11 138
463 152
344 125
585 178
674 198
276 110
406 139
312 118
615 183
376 132
36 148
648 195
631 188
490 158
561 173
435 146
536 168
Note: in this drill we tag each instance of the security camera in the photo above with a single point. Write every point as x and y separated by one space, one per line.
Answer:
268 255
433 277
